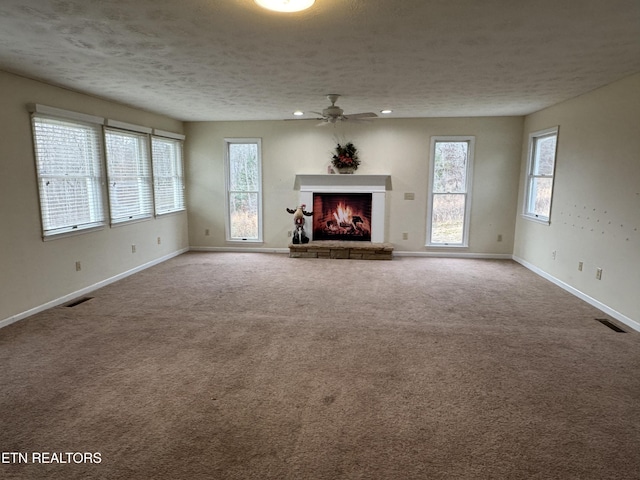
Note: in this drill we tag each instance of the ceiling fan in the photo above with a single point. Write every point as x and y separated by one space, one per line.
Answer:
334 114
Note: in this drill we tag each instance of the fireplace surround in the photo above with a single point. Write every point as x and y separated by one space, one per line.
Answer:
344 185
342 216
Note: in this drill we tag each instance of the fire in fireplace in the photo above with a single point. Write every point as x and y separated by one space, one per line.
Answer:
342 216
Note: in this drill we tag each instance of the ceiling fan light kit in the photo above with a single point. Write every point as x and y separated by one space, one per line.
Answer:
287 6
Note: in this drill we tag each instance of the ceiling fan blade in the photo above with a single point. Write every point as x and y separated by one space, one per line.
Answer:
353 116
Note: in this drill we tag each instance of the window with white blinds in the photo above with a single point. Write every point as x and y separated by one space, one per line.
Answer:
69 169
168 174
129 175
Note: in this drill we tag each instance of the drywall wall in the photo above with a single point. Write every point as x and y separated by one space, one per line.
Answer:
397 147
595 217
34 272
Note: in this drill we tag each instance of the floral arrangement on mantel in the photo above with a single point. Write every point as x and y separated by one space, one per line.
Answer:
346 158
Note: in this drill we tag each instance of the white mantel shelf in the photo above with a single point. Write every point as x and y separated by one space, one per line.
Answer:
337 182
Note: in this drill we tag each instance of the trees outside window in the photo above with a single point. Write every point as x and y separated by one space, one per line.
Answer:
540 173
244 189
168 175
71 151
70 175
129 171
449 191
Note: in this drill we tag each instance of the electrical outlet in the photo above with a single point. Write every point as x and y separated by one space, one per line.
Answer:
553 254
598 274
580 264
133 249
206 232
405 235
409 196
159 241
289 233
78 266
499 237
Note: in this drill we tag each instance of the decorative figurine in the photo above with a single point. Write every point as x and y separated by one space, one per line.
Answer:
298 220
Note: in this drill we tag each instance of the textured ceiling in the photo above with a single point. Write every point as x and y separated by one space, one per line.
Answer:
231 60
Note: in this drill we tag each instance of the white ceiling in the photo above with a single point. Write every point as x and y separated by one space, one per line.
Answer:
231 60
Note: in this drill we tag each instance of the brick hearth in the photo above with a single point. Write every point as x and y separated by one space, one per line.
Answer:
342 249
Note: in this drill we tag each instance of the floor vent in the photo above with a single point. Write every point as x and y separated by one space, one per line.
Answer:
612 326
78 301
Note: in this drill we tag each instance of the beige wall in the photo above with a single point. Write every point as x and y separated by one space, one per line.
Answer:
33 272
595 215
398 147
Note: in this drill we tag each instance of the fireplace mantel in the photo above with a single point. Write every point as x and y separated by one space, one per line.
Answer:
377 185
340 183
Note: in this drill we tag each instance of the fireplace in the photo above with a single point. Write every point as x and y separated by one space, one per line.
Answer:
368 192
342 216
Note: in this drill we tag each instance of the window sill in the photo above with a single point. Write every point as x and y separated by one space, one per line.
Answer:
172 212
72 233
238 241
541 220
444 245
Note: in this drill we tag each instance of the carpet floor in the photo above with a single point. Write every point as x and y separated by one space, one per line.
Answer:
258 366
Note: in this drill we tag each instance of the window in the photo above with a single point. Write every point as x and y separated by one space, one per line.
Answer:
129 170
168 176
244 189
69 168
540 172
449 188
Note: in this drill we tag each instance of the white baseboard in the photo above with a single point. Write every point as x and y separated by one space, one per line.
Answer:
449 254
501 256
583 296
240 249
574 291
91 288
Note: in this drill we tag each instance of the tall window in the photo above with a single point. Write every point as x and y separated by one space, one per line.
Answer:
168 175
69 168
244 189
540 173
129 170
449 191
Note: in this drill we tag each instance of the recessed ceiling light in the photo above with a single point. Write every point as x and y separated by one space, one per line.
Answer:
386 112
298 113
285 5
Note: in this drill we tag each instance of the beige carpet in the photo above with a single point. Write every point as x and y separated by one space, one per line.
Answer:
258 366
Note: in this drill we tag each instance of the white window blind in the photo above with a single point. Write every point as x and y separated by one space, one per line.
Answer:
129 171
168 177
69 169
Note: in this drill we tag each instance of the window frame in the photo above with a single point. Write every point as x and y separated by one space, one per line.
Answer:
227 169
177 167
470 140
96 195
98 190
534 137
145 206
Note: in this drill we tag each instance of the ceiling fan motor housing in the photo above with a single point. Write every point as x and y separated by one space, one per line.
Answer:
332 111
